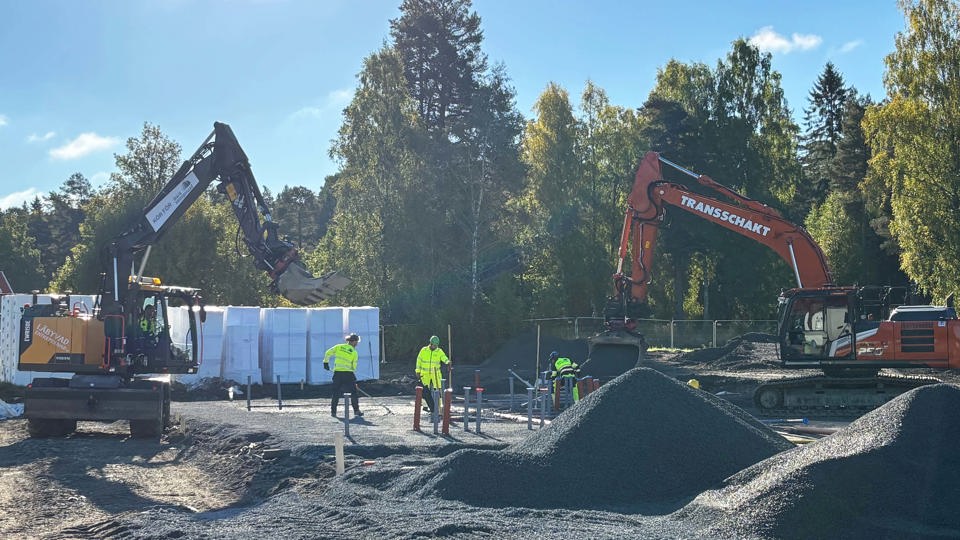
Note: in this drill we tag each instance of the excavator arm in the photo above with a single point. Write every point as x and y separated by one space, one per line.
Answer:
646 209
220 158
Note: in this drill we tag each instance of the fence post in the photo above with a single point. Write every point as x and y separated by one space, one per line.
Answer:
279 395
714 343
466 408
479 407
671 334
529 407
435 414
346 414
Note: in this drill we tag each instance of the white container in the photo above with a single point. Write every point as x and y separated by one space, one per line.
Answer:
241 347
283 344
210 340
365 322
325 330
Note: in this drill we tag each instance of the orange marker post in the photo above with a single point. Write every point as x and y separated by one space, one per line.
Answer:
447 399
416 409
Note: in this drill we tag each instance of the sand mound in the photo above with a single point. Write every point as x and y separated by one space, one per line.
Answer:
643 442
894 473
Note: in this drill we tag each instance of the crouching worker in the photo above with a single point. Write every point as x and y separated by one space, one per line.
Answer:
344 379
564 370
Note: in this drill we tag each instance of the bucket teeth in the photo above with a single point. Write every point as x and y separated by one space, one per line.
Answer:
300 287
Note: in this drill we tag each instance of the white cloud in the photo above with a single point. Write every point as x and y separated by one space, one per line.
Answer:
40 138
333 103
99 178
3 120
850 45
86 143
769 41
18 198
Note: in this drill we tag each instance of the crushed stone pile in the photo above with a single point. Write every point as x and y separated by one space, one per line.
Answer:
520 355
751 351
643 442
893 473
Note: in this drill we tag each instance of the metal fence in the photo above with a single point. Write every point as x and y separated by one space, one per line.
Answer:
663 333
473 344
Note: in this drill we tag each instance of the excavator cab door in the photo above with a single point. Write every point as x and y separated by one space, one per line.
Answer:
812 323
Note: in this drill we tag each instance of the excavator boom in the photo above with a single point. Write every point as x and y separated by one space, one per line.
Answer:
221 159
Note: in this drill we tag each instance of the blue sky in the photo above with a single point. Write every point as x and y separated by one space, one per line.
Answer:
77 78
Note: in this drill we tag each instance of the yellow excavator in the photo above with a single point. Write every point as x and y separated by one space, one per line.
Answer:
120 350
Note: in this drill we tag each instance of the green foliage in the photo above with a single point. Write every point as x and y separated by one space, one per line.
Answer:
379 235
20 258
300 216
915 169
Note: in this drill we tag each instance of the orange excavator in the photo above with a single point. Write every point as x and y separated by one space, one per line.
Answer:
849 333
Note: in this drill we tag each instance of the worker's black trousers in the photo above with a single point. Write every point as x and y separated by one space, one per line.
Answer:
344 381
428 398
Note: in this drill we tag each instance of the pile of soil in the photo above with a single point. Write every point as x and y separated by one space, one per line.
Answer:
520 355
893 473
752 351
643 443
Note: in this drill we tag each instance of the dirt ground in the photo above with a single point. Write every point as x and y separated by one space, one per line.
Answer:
223 471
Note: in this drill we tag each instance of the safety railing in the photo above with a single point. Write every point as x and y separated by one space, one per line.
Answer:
673 334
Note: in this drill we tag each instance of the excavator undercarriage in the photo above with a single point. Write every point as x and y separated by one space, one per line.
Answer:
821 395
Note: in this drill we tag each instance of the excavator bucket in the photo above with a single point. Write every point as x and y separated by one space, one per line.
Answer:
613 353
300 287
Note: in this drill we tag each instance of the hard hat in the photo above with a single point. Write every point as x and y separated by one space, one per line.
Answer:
434 340
693 383
352 337
554 355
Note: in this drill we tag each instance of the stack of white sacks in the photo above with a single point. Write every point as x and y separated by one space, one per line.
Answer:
235 342
289 343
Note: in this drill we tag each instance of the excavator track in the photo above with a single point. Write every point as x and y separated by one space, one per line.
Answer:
821 395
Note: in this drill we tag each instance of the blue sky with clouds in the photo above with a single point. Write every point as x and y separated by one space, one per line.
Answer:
77 78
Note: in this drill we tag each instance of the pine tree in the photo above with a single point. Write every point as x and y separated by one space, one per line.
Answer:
823 120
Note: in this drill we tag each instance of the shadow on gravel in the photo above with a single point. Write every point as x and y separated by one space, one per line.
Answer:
80 463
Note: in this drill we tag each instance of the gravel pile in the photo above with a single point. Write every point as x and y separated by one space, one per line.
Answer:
520 355
753 351
643 443
893 473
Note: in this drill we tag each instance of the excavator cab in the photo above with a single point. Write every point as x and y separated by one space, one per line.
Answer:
149 344
812 322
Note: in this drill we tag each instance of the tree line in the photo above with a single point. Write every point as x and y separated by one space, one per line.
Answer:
450 207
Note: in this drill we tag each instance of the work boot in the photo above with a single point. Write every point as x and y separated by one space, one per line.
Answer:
333 413
357 413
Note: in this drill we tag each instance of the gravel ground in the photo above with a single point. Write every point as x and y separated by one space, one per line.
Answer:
644 457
